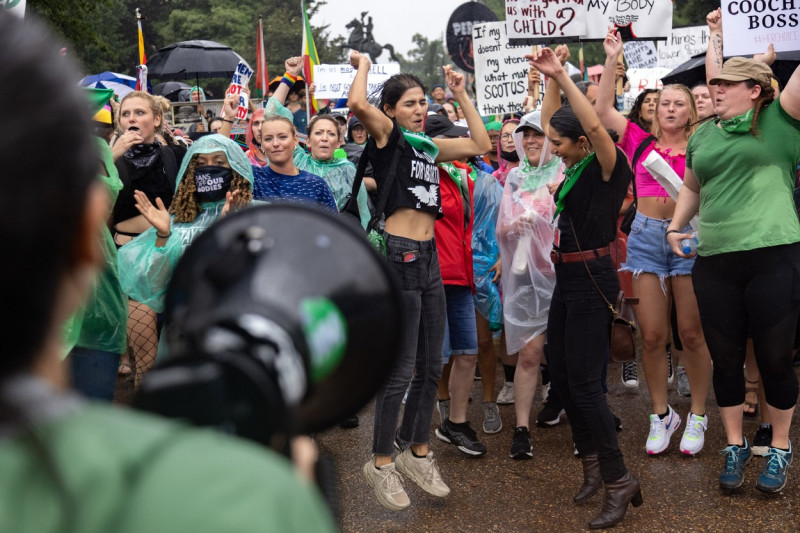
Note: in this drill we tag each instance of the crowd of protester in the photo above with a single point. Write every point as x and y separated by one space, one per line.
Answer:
502 233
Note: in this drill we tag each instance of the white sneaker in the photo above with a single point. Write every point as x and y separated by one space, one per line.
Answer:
387 483
694 434
506 395
661 431
423 472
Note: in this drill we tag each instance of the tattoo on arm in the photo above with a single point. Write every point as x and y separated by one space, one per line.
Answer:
717 43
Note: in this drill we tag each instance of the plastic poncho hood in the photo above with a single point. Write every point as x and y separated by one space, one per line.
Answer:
218 143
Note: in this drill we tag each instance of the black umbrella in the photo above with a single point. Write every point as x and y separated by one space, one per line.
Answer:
194 59
693 71
171 89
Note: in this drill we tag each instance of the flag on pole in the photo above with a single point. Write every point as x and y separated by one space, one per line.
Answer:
141 77
584 71
261 64
310 58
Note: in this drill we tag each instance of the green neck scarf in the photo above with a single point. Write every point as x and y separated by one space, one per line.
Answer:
739 123
421 142
455 174
571 175
534 177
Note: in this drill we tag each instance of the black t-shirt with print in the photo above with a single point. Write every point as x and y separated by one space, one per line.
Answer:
593 205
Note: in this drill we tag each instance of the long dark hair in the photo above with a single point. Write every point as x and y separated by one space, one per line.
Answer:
566 123
395 87
635 114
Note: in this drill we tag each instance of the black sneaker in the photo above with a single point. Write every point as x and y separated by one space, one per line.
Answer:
551 413
349 422
521 447
399 444
462 436
762 440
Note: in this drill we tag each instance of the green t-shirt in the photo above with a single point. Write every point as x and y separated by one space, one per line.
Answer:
746 184
128 472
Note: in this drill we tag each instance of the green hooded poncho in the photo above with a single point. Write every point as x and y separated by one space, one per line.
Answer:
144 269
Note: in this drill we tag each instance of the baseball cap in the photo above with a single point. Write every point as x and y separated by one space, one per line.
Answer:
742 69
436 125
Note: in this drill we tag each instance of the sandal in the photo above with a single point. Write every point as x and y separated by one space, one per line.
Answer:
750 408
124 369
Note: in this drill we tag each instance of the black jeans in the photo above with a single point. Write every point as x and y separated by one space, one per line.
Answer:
578 336
415 267
757 293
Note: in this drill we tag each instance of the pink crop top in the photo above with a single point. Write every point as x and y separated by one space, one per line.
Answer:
646 185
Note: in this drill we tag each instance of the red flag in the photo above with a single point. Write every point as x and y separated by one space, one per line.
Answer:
261 64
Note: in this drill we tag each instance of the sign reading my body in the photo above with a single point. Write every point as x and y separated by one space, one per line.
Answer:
622 5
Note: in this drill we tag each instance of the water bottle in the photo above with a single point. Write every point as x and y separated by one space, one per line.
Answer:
689 245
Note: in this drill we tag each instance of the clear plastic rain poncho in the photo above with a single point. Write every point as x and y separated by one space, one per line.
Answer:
145 270
101 323
485 251
525 237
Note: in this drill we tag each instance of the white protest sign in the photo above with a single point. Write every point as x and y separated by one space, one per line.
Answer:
641 79
757 23
638 19
682 45
241 77
15 7
640 54
501 70
544 21
333 81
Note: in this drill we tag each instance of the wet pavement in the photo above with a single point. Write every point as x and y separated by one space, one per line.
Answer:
496 493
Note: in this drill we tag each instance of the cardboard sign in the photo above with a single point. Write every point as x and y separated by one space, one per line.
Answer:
241 77
501 70
545 21
640 54
757 23
333 81
641 79
636 19
681 45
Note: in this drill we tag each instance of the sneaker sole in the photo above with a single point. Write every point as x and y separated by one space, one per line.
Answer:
667 440
493 431
770 490
500 402
522 456
401 467
464 449
388 504
631 384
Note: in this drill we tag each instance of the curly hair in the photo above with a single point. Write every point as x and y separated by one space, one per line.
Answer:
185 205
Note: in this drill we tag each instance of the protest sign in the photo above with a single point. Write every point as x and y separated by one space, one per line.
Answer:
15 7
333 81
757 23
459 32
640 54
681 45
545 21
641 79
636 19
501 70
241 77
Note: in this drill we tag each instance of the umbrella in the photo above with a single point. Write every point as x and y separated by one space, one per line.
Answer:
114 77
693 71
194 59
119 89
171 89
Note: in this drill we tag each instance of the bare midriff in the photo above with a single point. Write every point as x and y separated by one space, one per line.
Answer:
411 224
659 207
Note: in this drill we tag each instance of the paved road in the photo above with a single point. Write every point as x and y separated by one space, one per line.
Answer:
495 493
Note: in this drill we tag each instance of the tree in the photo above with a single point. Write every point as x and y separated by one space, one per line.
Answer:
426 60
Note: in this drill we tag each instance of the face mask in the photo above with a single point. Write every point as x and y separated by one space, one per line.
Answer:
512 156
212 182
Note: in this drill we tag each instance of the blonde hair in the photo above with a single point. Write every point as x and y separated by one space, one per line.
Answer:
278 118
152 103
691 125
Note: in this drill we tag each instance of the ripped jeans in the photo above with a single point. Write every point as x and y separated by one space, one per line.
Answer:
650 253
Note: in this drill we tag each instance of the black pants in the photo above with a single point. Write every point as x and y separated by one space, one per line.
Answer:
755 292
578 330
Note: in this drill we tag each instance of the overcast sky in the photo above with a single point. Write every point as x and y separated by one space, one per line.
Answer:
394 22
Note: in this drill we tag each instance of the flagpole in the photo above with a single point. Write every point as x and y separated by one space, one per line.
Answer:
304 55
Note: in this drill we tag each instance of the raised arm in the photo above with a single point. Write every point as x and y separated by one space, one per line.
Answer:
714 52
478 143
548 64
374 120
294 67
606 90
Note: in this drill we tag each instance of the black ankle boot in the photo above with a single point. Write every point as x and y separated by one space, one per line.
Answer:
619 494
592 481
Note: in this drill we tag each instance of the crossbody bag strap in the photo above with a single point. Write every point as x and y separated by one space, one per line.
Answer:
586 266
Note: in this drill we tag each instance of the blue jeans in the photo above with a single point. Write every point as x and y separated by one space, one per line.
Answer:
94 372
650 253
415 268
578 330
460 329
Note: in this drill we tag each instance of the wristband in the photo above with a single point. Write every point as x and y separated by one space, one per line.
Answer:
167 236
226 120
289 79
671 231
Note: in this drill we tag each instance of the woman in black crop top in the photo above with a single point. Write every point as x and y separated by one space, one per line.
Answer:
588 200
413 205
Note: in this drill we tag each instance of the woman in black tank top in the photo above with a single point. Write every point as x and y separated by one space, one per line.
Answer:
413 204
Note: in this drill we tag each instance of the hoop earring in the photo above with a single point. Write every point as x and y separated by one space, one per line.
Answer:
586 150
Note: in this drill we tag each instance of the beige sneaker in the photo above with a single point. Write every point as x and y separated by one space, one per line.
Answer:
387 483
423 472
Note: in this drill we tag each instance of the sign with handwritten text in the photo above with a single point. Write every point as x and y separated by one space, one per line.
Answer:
636 19
682 45
757 23
333 81
640 54
545 21
241 77
501 70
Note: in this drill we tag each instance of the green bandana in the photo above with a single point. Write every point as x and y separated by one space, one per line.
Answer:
421 142
739 123
455 173
571 175
534 177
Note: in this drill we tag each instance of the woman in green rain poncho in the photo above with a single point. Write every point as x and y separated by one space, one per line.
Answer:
214 178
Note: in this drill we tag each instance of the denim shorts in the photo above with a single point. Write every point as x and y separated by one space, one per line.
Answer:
650 253
460 330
